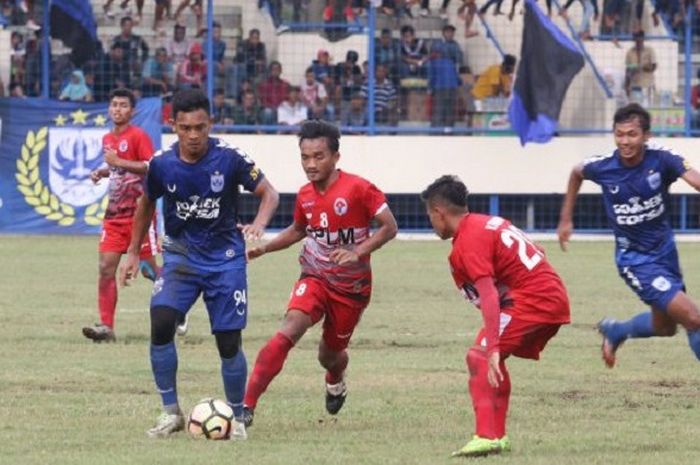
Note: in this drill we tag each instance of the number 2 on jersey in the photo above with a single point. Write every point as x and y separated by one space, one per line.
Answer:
511 235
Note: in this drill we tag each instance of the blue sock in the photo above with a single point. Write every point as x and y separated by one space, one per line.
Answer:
637 327
694 341
234 371
164 367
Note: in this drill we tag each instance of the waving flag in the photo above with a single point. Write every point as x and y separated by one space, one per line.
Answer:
549 62
72 22
47 151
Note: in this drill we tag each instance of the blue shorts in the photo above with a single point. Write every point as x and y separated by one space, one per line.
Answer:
656 283
225 294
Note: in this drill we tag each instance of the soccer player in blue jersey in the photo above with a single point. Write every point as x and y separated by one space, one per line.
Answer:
204 249
635 180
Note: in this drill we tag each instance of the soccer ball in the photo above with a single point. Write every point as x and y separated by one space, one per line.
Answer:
211 419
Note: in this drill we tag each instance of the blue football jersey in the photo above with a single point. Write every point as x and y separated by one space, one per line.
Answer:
200 204
637 201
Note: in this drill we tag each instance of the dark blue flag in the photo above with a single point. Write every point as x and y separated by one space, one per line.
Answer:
549 61
73 22
47 151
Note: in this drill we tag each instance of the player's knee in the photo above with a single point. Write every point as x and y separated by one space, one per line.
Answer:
668 330
228 343
475 358
163 323
107 270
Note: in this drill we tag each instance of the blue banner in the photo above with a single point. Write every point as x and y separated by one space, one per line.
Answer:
47 151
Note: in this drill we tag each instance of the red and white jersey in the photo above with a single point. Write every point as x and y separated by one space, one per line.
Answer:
338 218
124 187
490 246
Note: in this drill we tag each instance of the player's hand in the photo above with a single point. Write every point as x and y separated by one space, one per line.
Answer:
344 256
251 232
95 176
255 252
494 375
111 157
129 270
564 231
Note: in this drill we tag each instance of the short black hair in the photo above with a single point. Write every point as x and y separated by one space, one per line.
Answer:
187 100
125 19
317 128
407 28
630 112
448 27
125 93
448 189
509 60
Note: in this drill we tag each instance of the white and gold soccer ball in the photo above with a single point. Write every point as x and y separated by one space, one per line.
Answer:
211 419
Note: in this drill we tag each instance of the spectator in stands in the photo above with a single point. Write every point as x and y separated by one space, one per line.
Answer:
32 64
348 81
178 46
292 111
590 10
447 47
248 113
222 112
640 64
131 43
124 6
161 7
414 54
355 114
273 91
465 99
246 85
76 90
497 10
195 6
496 80
466 11
158 75
315 97
384 97
695 103
193 71
17 91
17 44
112 73
443 85
670 10
323 69
613 14
387 52
249 63
336 12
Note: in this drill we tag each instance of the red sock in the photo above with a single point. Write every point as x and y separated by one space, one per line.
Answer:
335 374
483 395
107 300
268 364
502 400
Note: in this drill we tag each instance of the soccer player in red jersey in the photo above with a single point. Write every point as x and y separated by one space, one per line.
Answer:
127 151
522 300
333 212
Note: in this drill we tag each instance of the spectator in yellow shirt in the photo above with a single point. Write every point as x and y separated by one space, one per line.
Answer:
496 81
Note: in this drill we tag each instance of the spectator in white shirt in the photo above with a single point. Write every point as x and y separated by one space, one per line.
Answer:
315 96
292 111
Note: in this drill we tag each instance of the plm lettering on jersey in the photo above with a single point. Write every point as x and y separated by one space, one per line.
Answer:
637 211
198 208
654 180
340 206
217 182
123 145
339 237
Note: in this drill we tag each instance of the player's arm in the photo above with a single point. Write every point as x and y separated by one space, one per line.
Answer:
269 199
566 216
491 314
98 174
145 209
387 231
290 235
137 167
692 177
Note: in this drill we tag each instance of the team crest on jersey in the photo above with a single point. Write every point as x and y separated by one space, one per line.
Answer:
123 145
217 182
340 206
654 180
661 284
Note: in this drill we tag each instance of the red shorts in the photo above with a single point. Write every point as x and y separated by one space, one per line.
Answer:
524 339
342 313
116 236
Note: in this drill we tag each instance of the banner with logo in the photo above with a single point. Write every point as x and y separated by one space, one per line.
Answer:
47 151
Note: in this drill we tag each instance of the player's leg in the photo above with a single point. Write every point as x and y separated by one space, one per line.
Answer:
234 370
106 298
342 317
685 312
305 308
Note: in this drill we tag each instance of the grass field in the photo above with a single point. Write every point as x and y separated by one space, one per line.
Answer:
64 400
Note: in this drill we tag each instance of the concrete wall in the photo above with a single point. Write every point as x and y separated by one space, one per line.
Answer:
408 164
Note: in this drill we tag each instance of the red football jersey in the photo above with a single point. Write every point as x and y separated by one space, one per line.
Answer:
528 287
340 217
125 187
